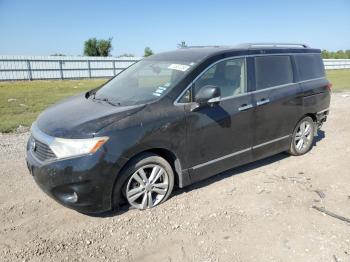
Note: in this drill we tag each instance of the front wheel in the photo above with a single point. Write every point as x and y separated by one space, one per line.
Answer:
303 137
150 181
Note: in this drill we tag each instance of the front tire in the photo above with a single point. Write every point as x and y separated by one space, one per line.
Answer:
303 137
148 181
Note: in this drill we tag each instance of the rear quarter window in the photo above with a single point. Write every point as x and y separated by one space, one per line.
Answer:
309 66
273 71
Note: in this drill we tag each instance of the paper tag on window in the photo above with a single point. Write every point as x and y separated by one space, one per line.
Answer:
179 67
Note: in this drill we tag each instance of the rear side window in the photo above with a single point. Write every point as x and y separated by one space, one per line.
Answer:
273 71
309 66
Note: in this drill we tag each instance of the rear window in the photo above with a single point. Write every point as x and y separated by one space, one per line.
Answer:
273 71
309 66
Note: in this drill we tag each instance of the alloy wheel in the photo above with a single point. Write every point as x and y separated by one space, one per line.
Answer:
147 186
303 137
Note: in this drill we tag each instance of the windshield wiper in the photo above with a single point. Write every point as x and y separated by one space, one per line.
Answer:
106 100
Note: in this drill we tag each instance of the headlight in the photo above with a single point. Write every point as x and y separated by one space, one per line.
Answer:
74 147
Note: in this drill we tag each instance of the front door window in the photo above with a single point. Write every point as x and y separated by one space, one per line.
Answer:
228 75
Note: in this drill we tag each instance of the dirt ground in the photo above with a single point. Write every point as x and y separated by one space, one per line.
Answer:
258 212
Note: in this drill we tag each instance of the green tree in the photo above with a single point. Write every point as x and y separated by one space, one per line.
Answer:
347 52
340 54
182 45
91 47
105 47
94 47
148 51
326 54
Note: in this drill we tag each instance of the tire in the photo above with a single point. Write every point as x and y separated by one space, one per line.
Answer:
146 182
303 137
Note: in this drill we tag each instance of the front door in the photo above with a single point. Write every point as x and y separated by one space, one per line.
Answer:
220 136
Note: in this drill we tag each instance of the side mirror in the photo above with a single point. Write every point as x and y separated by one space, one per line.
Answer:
208 95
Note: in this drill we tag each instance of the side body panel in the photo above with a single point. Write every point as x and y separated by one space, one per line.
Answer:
159 126
275 120
219 137
316 95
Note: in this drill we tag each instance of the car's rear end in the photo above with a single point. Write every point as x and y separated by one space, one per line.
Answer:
315 86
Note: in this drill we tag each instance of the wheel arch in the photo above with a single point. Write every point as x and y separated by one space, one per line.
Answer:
313 116
171 158
181 177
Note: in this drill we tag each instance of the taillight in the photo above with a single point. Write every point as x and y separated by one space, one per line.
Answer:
329 86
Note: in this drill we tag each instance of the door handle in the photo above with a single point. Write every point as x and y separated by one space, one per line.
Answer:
245 107
263 101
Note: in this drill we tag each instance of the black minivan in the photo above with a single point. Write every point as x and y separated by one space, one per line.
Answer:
175 118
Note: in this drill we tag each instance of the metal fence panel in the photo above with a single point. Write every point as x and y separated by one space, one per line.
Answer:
61 67
336 63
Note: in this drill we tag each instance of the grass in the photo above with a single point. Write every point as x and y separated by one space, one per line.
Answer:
22 101
340 79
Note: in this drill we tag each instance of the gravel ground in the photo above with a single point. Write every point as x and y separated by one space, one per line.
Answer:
258 212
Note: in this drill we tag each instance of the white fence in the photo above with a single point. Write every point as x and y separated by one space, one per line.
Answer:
336 63
61 67
72 67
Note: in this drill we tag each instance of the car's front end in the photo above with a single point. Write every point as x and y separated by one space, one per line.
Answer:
78 147
78 173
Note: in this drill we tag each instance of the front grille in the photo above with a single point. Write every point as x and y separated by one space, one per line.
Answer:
42 151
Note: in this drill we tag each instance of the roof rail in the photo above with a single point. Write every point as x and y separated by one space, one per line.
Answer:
250 45
201 46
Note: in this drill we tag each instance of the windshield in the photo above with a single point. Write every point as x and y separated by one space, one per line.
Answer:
143 82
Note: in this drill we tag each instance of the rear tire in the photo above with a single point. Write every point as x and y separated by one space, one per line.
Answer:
146 182
303 137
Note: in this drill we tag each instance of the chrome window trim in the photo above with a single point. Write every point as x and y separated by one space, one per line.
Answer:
239 152
176 103
234 96
272 88
313 79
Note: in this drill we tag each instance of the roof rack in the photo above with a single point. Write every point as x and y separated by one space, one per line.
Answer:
202 46
250 45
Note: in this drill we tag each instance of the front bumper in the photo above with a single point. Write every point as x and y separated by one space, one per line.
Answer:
84 183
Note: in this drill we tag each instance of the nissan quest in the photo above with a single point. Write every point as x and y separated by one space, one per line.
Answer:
176 118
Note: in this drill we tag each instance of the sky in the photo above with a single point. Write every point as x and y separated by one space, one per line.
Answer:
45 27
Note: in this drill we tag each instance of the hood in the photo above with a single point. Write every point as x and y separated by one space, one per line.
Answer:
79 117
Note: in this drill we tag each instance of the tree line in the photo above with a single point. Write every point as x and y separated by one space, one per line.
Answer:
340 54
103 47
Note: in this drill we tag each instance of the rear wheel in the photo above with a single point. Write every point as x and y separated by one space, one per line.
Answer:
303 137
149 181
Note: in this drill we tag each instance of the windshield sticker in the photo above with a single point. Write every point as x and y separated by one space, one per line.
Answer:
179 67
160 90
